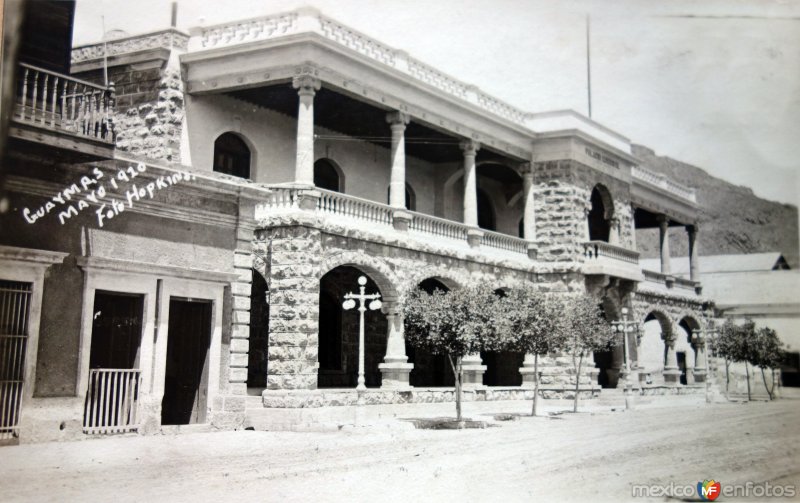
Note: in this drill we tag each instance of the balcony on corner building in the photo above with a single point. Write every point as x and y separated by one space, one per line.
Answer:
72 116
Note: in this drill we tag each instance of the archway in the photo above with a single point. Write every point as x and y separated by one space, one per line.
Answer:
657 330
430 370
257 356
232 155
686 349
486 213
328 176
338 332
611 361
600 214
502 367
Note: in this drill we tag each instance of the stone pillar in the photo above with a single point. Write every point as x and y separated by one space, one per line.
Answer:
397 184
472 369
395 368
294 307
470 149
587 233
699 370
613 231
306 86
529 214
663 225
694 269
672 374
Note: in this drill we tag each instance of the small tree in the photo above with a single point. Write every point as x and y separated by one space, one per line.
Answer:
767 353
586 331
535 328
456 323
736 343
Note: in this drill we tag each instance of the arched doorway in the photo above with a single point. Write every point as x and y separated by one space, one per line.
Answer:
232 156
653 348
430 370
486 214
686 349
328 176
600 214
611 361
258 354
502 367
338 332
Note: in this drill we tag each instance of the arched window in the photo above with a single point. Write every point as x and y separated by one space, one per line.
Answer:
326 176
411 198
231 156
600 214
485 211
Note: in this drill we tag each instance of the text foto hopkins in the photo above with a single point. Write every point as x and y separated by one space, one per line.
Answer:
77 197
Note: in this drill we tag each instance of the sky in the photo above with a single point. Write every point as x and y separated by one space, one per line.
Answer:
713 83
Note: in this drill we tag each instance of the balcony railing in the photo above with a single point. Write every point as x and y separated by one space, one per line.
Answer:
374 213
670 281
663 183
112 401
62 103
593 250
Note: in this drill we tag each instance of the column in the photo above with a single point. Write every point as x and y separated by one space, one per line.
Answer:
529 215
613 231
672 374
694 269
397 184
395 369
470 149
527 371
472 368
699 370
306 86
663 225
587 232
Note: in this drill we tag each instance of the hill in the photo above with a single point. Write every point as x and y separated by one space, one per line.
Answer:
732 218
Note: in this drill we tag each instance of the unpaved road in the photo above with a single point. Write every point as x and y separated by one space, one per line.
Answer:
587 457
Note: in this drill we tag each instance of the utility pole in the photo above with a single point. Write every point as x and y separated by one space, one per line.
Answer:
349 304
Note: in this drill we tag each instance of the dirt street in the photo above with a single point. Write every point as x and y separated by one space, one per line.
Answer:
585 456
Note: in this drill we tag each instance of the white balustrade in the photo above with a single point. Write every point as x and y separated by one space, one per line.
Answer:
664 183
335 203
594 250
60 102
435 226
506 242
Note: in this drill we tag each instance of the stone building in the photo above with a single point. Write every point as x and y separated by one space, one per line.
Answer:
187 211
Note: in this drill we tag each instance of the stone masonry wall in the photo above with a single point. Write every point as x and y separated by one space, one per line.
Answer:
149 107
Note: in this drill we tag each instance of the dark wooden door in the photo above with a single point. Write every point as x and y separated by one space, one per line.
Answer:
186 379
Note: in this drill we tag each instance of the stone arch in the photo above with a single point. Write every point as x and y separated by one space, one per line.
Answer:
258 324
667 325
376 268
445 275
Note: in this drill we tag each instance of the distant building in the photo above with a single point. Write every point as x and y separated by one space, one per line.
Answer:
250 173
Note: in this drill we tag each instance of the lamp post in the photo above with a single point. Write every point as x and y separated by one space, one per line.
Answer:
350 303
624 327
709 333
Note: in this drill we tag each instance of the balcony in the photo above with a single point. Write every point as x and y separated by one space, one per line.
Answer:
345 209
69 114
666 283
601 258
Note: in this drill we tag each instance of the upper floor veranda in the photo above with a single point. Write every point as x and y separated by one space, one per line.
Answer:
332 121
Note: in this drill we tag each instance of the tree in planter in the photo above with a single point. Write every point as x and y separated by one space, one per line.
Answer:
535 327
767 353
456 323
586 331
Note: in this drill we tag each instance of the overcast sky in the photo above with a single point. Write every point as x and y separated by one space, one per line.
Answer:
712 83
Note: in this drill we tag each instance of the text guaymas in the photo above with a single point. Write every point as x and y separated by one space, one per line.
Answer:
77 197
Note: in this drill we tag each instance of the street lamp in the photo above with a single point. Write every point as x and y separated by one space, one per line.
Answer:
349 304
625 327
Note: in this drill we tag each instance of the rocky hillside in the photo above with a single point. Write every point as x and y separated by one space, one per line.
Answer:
732 218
